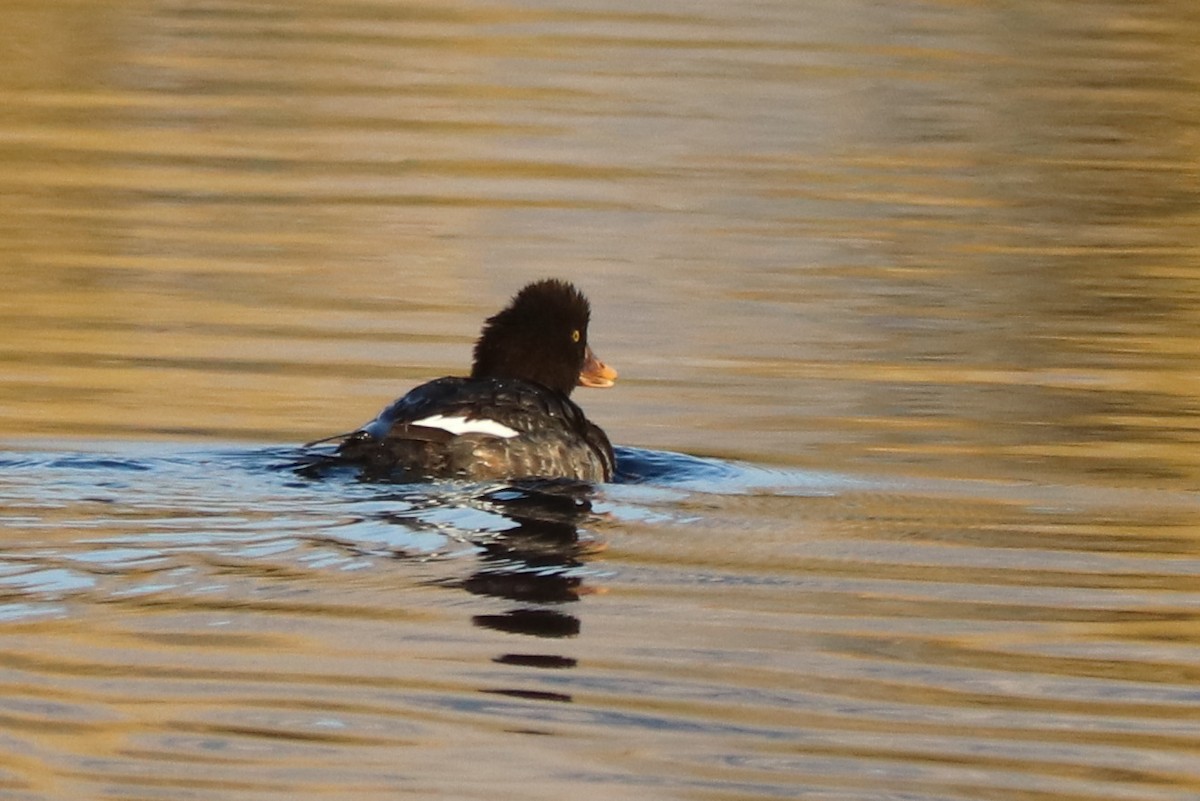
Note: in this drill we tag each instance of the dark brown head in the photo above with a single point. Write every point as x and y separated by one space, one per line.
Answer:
542 336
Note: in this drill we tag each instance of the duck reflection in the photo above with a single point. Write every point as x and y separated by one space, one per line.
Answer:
529 543
535 565
535 562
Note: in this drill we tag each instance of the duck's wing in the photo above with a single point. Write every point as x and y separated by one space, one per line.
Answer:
497 407
489 426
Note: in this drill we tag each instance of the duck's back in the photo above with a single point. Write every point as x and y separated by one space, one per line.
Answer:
480 429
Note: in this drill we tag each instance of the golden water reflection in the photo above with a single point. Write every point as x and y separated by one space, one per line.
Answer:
929 269
976 250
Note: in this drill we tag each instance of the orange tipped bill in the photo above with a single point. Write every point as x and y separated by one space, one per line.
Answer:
595 373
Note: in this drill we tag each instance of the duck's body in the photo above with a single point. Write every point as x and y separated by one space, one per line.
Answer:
483 428
513 417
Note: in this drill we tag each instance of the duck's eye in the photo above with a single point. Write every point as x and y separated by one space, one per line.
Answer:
575 335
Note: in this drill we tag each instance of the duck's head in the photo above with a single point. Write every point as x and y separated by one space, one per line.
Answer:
542 336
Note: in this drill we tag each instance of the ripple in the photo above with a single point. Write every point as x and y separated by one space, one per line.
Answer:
737 628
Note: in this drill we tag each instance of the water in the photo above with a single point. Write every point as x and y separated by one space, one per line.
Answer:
904 299
199 622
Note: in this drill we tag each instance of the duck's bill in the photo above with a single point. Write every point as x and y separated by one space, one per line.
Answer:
596 373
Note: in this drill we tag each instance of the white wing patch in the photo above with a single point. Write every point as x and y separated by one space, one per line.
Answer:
461 425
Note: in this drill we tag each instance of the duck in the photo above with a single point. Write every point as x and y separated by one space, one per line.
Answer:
513 416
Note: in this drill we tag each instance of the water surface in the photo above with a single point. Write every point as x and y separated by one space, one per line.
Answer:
904 299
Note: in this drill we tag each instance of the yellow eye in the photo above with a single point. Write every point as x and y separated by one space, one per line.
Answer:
575 335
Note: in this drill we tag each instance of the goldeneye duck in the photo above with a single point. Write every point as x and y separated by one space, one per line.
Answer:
513 416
